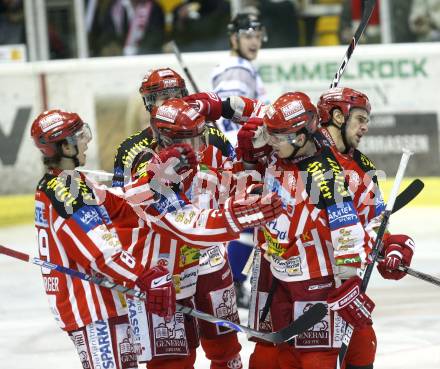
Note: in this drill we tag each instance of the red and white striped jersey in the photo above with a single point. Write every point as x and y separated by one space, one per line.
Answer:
186 254
320 228
360 174
90 229
75 233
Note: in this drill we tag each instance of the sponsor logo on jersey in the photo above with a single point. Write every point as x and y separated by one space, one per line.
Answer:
101 344
40 214
292 110
380 206
137 317
272 244
306 239
188 255
355 260
345 241
319 334
169 335
87 218
279 226
291 266
342 215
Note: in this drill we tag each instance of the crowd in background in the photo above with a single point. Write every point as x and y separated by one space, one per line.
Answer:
134 27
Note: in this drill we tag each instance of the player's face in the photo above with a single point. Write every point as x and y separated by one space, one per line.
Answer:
83 137
249 43
357 126
282 145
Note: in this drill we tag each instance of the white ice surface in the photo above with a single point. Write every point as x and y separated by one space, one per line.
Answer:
406 319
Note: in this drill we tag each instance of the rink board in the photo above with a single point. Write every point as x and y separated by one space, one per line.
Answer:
401 81
18 209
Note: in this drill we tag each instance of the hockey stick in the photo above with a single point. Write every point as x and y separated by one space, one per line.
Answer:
187 72
415 273
420 275
183 66
309 319
403 199
368 10
377 248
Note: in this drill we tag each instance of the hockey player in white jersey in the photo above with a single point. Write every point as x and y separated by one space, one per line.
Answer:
236 75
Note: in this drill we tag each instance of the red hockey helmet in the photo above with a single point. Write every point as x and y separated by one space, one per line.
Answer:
54 126
176 121
291 113
162 82
342 98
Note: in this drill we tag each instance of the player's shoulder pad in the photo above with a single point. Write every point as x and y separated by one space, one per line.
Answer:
67 193
364 162
130 148
219 140
325 176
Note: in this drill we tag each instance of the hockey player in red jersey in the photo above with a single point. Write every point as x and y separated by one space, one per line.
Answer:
80 225
74 231
201 275
319 230
157 86
344 116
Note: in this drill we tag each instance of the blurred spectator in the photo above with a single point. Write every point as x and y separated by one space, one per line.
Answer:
12 28
350 18
400 10
199 25
424 19
125 27
281 20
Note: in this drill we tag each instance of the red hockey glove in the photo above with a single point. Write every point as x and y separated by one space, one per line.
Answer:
208 104
351 304
397 249
252 211
251 143
182 151
158 285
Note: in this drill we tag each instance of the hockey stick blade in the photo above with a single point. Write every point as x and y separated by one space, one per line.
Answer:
408 194
312 316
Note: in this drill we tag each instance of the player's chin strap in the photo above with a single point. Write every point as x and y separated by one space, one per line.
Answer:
298 147
74 157
343 129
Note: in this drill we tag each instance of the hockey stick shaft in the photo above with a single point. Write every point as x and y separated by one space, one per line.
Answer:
183 66
420 275
417 274
186 71
366 15
298 326
376 249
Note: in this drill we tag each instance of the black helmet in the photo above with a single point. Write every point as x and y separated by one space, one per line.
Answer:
246 22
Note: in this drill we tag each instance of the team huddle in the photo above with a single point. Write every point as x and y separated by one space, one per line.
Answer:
180 193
